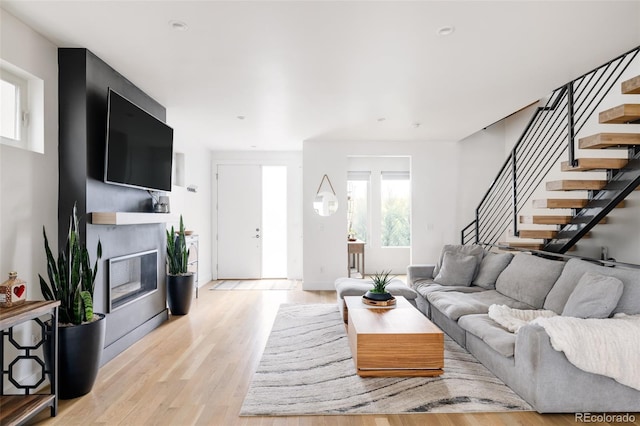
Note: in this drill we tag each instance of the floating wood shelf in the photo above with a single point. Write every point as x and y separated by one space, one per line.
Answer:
131 218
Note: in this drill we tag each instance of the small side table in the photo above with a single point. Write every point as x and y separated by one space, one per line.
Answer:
355 252
17 409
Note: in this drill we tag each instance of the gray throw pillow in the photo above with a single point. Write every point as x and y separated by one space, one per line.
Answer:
490 268
456 269
471 249
595 296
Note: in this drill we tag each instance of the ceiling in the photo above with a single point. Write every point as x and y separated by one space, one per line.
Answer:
268 75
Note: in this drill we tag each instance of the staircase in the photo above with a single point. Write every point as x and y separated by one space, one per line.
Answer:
603 195
560 221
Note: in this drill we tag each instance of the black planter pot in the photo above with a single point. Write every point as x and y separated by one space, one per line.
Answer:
179 293
380 297
79 352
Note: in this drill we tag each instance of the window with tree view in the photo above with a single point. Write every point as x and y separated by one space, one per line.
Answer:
395 191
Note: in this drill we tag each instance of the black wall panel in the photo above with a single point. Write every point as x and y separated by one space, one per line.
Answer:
84 80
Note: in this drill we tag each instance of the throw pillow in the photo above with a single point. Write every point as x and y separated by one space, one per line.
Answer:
490 268
595 296
456 269
472 249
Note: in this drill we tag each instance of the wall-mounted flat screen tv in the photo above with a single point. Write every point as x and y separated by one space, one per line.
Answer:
139 147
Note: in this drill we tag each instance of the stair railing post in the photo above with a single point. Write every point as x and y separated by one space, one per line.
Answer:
514 179
477 224
571 126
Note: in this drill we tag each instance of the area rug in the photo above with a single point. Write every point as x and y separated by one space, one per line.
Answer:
307 369
256 285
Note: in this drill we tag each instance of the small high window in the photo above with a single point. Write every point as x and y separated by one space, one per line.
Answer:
21 109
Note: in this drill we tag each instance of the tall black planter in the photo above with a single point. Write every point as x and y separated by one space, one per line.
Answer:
179 293
79 352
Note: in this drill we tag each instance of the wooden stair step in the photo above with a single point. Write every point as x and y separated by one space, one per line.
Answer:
631 86
585 164
560 203
528 246
575 185
523 245
550 220
609 140
621 114
543 234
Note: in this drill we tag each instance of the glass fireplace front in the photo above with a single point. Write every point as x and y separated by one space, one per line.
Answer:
131 277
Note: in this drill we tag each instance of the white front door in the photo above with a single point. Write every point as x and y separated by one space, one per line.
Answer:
239 221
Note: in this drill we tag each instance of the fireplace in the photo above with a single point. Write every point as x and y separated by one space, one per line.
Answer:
132 277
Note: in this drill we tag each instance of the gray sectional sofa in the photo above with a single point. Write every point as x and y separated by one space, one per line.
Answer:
457 298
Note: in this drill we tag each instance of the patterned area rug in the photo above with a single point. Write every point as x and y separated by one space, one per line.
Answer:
256 285
307 369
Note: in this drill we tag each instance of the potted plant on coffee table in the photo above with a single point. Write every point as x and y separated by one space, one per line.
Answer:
379 295
179 279
81 331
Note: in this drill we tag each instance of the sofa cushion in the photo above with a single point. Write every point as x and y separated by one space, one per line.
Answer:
629 301
490 332
455 304
472 249
457 269
595 296
424 287
491 267
358 287
529 278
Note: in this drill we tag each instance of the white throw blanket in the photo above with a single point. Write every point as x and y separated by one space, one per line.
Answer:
610 346
513 319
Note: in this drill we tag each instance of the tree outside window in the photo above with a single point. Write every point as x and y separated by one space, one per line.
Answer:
395 194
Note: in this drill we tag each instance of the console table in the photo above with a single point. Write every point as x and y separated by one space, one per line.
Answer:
355 251
17 409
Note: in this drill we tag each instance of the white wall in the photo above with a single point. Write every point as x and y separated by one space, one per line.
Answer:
293 162
29 180
436 198
195 207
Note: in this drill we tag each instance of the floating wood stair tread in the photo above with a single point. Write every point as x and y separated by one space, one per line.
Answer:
585 164
560 203
621 114
575 185
549 220
609 140
542 234
631 86
523 245
537 233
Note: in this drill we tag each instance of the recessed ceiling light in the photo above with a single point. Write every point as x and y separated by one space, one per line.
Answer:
446 30
178 25
381 119
254 146
240 117
416 124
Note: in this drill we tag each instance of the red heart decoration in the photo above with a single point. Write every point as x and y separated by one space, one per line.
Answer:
19 290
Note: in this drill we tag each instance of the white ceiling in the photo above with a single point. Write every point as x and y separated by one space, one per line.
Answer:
348 70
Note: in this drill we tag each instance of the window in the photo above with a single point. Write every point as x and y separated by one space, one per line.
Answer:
13 95
358 204
21 109
395 193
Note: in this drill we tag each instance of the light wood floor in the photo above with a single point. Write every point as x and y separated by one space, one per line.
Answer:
196 370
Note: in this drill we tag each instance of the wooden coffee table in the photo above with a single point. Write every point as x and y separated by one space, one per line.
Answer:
393 342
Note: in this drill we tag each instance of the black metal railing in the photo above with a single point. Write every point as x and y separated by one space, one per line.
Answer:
549 134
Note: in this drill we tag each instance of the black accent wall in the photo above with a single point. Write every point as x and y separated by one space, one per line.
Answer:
83 82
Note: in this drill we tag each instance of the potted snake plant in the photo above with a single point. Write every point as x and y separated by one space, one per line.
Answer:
81 331
179 279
